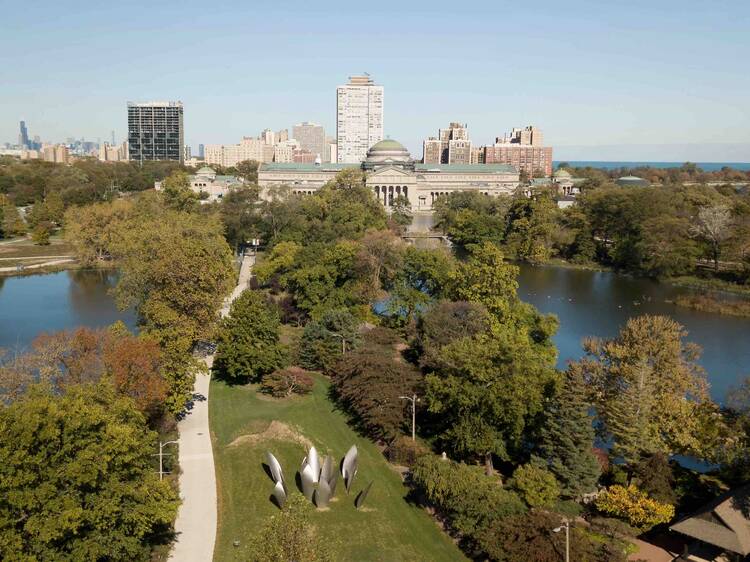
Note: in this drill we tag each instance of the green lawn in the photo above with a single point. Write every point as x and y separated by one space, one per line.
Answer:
387 528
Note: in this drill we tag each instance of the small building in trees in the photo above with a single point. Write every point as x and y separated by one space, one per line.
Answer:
209 185
631 181
720 529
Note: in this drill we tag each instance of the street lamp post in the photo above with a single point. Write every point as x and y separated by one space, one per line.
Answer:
566 526
413 399
343 342
161 454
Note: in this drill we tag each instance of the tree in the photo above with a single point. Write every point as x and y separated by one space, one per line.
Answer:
282 383
536 486
422 278
371 380
654 477
531 223
446 322
248 342
568 438
131 364
489 389
529 536
177 192
12 224
92 230
240 216
666 246
401 214
76 478
248 171
288 536
175 270
324 340
649 392
470 500
634 506
41 233
713 225
379 259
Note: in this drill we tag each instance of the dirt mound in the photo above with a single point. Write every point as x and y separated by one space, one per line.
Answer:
276 430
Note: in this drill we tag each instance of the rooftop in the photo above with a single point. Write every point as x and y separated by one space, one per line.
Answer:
455 168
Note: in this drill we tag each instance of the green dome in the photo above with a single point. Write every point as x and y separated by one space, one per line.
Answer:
562 173
387 144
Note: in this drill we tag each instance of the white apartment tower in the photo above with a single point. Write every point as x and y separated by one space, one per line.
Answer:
359 118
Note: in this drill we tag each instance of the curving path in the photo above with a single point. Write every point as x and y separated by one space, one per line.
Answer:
196 520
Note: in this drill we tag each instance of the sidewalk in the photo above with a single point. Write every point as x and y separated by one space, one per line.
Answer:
196 520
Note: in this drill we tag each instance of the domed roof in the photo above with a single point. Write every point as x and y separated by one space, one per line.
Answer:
562 173
388 151
631 180
387 145
205 171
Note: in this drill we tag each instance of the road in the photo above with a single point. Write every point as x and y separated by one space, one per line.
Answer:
196 520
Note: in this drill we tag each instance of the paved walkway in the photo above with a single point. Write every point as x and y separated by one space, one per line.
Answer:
35 266
196 519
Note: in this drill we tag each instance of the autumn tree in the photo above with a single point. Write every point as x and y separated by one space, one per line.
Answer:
650 394
248 341
177 192
92 230
176 269
76 478
531 223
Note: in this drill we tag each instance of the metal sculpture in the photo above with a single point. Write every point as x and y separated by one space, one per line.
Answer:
349 467
362 496
276 473
314 462
318 480
327 469
308 483
322 494
279 494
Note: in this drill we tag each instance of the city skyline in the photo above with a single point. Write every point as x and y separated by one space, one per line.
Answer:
662 80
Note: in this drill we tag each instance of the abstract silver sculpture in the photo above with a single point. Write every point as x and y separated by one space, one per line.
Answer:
318 480
349 467
322 494
279 494
362 496
308 482
276 473
314 461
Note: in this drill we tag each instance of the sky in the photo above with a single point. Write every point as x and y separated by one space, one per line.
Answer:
637 80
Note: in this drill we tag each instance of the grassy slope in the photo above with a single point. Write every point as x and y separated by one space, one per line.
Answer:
388 528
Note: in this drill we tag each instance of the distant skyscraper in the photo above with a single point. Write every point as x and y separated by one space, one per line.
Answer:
359 118
155 131
23 136
311 137
201 151
113 138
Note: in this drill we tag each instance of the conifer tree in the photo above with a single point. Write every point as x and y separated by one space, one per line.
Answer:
568 437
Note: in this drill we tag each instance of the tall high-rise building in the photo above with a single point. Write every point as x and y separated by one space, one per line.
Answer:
282 135
451 147
311 137
201 151
23 136
156 131
268 137
359 118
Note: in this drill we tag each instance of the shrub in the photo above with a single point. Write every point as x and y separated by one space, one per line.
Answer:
535 485
634 506
470 499
285 382
321 343
405 452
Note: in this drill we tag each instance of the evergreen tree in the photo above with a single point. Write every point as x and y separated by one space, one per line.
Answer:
248 343
568 437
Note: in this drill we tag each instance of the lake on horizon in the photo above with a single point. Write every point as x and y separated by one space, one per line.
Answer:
612 164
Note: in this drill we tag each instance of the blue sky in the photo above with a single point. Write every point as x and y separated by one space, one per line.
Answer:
644 76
